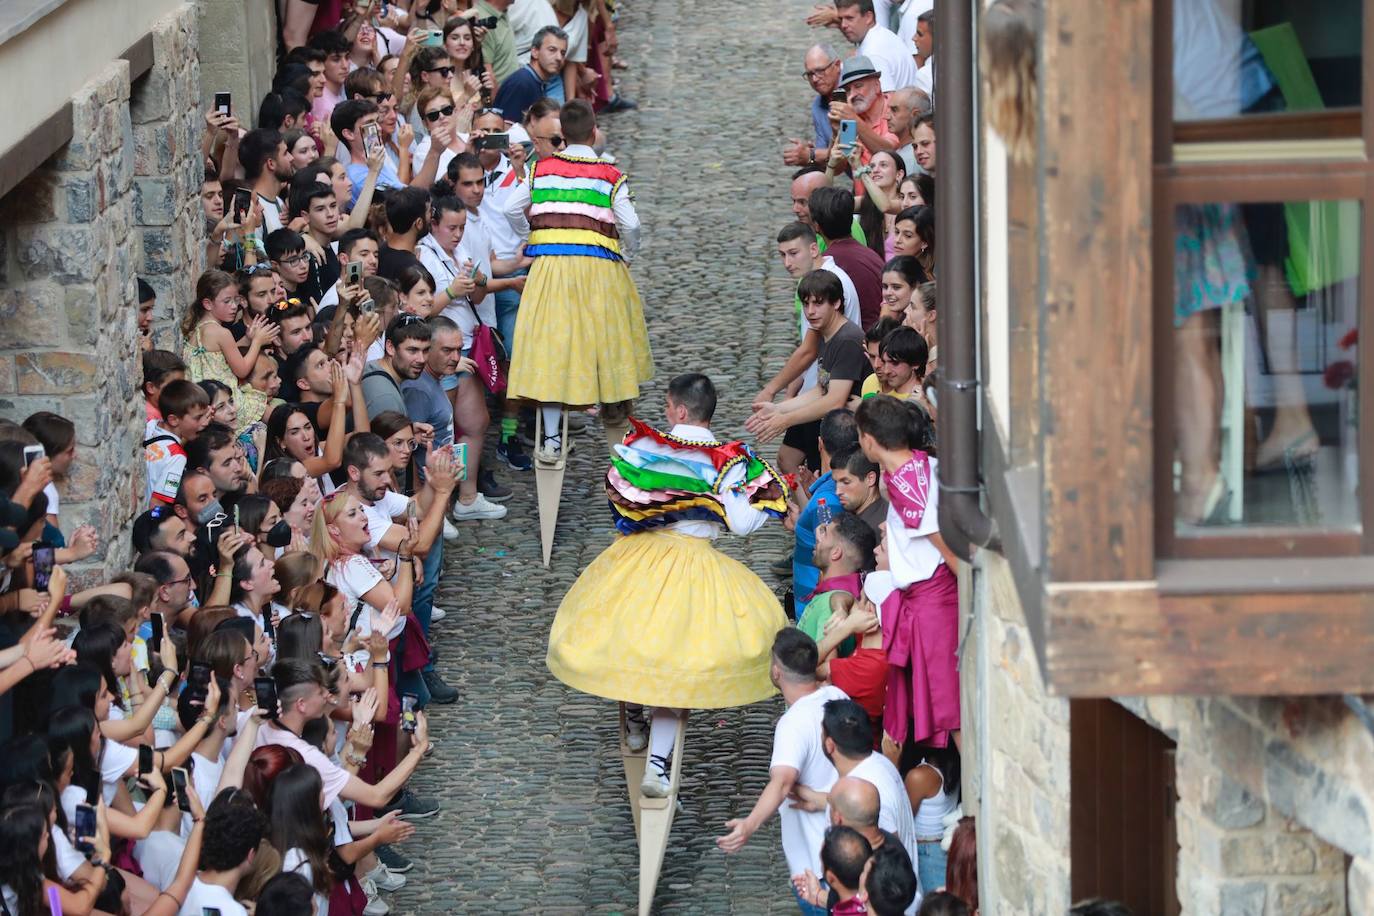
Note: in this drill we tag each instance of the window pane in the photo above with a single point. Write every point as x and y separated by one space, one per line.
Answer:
1262 57
1265 318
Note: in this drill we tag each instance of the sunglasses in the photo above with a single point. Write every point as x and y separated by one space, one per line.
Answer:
287 303
252 270
556 141
379 98
432 116
443 71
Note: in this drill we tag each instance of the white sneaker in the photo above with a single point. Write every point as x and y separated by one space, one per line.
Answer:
385 879
479 508
376 906
437 614
450 532
655 783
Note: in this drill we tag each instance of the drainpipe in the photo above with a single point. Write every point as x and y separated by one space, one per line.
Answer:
963 524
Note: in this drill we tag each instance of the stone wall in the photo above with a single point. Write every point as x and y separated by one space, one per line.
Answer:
73 237
1016 755
239 54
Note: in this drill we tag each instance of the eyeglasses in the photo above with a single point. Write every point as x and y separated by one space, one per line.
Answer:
158 513
817 73
328 661
293 259
444 71
432 116
252 270
409 445
555 141
185 578
407 319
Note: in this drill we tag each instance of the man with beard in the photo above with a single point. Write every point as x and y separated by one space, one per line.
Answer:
266 168
407 348
221 456
867 107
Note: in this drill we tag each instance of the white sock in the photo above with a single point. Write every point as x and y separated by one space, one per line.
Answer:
663 731
553 421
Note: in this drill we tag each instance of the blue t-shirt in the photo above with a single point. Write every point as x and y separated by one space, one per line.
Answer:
357 175
427 402
820 122
804 574
522 89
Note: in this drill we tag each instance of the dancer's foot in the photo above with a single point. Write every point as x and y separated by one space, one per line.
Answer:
655 783
636 728
551 449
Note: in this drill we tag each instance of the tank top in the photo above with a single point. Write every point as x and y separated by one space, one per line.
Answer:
930 816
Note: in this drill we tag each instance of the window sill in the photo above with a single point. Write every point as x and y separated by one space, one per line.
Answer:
1265 574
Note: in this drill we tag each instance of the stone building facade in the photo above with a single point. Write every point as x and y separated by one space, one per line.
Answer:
118 202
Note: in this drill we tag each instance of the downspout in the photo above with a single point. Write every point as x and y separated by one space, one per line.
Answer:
963 524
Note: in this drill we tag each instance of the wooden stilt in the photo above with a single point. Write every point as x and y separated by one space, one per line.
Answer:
548 482
655 820
634 767
615 433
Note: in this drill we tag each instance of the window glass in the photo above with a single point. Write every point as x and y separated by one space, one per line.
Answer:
1247 57
1265 368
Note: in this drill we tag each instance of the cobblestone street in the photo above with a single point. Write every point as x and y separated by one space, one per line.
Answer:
535 816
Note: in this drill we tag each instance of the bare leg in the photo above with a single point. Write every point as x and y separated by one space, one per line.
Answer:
295 29
790 459
1292 421
1197 405
471 419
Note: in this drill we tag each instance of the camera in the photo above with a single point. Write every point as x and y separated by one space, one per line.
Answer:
487 23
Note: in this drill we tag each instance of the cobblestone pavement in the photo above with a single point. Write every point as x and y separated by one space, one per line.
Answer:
535 817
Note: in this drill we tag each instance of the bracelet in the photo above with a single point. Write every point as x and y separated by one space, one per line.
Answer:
380 664
405 559
224 574
170 894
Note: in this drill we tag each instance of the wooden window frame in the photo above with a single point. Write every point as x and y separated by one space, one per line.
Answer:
1255 180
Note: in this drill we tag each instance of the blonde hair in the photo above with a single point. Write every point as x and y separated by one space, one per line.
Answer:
295 570
1008 43
322 543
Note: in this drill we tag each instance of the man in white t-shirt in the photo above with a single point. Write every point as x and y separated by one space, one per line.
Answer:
233 829
798 759
894 61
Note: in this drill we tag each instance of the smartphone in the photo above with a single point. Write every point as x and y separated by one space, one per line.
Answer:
145 759
434 39
494 141
222 103
179 777
460 458
408 721
155 641
353 271
849 133
265 689
236 517
372 138
32 453
243 203
198 682
367 306
412 509
840 95
84 825
42 567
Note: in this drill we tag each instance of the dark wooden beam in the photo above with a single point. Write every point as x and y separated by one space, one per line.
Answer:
1095 334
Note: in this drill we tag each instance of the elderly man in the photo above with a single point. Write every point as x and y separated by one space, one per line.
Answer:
878 43
822 73
904 107
866 106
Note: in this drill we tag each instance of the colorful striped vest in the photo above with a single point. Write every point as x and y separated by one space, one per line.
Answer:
570 208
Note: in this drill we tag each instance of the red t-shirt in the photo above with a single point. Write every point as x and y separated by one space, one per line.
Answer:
863 675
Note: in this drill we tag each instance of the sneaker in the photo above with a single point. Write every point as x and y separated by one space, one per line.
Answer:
437 614
512 452
376 906
782 567
384 878
410 807
493 489
636 728
439 692
655 783
479 508
393 860
450 532
618 102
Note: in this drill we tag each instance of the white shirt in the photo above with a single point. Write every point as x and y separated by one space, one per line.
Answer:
69 858
576 28
295 861
159 855
54 501
444 269
213 896
925 77
116 760
380 515
910 555
476 246
894 60
205 777
626 218
355 576
894 806
911 10
797 744
527 17
501 183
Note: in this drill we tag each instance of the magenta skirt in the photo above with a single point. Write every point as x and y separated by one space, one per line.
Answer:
921 638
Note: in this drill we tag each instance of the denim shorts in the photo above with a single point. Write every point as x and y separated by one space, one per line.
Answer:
450 382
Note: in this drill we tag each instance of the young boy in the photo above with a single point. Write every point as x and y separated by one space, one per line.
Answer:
185 409
856 485
873 343
902 365
286 249
843 365
159 368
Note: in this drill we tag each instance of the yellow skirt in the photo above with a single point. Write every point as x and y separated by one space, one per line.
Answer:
664 619
580 336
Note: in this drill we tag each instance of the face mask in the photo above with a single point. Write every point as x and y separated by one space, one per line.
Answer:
211 509
280 535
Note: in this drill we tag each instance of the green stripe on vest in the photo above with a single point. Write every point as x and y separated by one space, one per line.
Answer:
571 196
